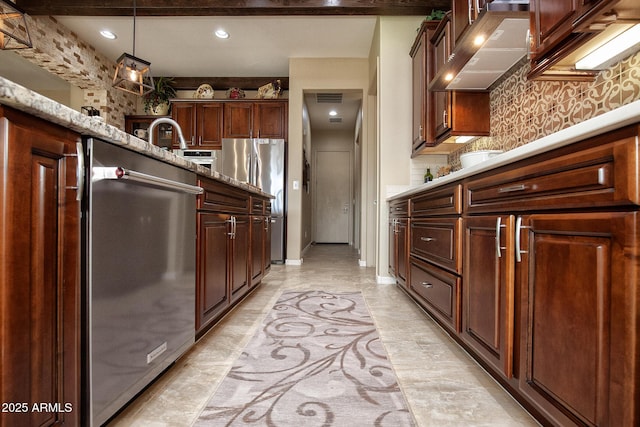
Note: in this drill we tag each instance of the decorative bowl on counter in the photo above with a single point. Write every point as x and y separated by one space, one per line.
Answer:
474 157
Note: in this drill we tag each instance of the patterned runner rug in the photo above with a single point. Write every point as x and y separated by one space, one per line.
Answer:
317 360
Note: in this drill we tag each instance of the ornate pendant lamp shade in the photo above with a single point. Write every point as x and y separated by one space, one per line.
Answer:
14 33
133 74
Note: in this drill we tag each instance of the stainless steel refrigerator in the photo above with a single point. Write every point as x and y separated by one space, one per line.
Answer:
261 162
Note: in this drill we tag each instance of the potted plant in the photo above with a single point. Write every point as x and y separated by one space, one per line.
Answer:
156 102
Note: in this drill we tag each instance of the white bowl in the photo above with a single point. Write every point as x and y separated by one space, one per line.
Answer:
475 157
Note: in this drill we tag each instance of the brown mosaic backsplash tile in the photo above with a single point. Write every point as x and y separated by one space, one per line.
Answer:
523 111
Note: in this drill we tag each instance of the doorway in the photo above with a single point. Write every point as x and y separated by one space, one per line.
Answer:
333 210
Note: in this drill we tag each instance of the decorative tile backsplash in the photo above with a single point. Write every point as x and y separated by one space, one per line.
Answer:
523 111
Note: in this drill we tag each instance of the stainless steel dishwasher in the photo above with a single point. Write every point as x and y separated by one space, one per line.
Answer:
140 240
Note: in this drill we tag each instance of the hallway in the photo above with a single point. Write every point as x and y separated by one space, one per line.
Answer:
442 384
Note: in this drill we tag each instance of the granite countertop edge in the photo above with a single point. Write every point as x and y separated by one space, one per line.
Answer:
28 101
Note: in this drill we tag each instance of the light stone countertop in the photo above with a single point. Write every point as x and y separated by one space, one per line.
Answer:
609 121
28 101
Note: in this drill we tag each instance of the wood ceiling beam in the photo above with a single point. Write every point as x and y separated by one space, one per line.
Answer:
232 7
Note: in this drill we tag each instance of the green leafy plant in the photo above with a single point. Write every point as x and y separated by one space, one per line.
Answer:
163 91
436 15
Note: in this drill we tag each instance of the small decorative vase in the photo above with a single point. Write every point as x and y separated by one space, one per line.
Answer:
160 109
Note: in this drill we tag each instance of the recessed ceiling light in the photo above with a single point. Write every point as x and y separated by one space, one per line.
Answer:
333 113
221 34
108 35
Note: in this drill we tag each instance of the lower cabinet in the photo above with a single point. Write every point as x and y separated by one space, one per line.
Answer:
225 234
40 357
548 281
488 300
578 347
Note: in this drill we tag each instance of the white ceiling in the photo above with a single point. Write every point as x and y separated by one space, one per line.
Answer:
258 46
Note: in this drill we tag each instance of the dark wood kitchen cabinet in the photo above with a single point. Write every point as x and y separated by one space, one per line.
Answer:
223 250
549 276
256 119
260 236
39 273
422 73
463 14
456 113
399 240
561 32
201 123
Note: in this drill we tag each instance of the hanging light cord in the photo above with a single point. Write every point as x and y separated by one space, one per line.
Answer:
134 27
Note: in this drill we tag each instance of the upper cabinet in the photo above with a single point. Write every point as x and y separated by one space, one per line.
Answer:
201 123
562 33
262 119
464 13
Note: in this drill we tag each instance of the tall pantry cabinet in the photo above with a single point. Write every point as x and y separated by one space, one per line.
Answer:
39 273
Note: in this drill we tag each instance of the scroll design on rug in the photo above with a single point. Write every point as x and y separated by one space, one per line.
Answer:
317 360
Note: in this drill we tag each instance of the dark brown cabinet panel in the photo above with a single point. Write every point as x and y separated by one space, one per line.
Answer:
577 344
259 119
399 241
238 120
239 280
201 124
488 294
437 240
464 13
212 296
40 269
456 113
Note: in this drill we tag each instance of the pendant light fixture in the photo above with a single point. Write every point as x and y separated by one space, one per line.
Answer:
14 33
133 74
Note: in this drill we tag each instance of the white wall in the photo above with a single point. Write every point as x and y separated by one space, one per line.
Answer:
396 36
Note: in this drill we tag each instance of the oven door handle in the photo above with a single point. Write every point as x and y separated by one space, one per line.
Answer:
119 173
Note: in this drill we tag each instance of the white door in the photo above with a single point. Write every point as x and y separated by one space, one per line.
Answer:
333 196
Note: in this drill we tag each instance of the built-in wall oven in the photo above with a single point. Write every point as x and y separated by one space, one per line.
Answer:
139 239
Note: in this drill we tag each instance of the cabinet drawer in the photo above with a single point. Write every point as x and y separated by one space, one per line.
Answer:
598 176
437 291
438 241
220 197
441 201
399 208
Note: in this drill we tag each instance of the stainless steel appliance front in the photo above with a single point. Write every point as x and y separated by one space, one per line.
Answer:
140 242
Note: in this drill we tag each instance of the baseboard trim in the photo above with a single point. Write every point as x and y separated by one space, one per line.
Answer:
385 280
362 263
293 261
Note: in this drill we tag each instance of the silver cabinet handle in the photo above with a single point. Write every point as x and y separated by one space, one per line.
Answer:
427 285
444 118
499 248
519 251
428 239
469 11
118 173
513 188
80 170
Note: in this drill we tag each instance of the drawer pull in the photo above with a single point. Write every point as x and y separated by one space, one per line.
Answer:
427 285
427 239
601 176
499 248
513 188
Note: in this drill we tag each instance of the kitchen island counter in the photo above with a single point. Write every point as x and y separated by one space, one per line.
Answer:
28 101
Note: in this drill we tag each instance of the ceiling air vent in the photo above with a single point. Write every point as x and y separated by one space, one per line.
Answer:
329 98
335 120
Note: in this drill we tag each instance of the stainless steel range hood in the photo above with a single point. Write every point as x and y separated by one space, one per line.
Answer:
503 25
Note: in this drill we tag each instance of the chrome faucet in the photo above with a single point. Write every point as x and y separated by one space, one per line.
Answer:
156 122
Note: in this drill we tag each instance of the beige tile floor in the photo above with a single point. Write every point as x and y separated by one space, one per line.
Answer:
442 384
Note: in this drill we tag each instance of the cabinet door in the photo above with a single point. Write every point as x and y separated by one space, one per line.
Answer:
39 272
238 120
209 125
240 257
212 295
270 120
185 114
402 250
464 13
419 92
488 300
441 100
258 236
579 317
